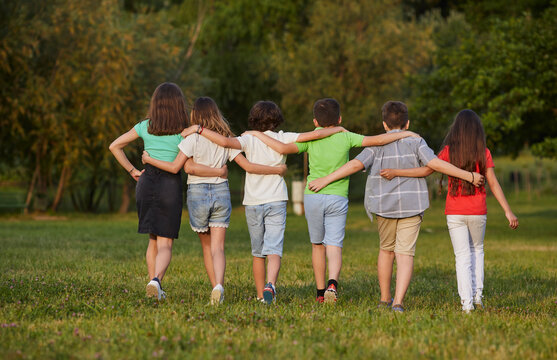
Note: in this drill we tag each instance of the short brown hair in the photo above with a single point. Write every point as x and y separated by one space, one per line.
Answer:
167 110
326 112
395 114
265 115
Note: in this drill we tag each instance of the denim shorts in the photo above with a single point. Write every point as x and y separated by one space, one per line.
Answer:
209 206
326 217
266 224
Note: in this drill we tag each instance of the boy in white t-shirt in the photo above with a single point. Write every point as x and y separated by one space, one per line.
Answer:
265 196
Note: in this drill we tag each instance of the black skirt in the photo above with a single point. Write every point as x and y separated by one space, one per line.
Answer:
159 202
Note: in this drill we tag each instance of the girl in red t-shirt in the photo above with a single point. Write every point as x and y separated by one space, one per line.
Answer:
466 210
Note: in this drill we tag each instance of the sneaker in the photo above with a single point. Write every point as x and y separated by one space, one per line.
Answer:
478 302
153 289
217 295
331 294
468 309
320 299
397 308
383 305
261 300
269 293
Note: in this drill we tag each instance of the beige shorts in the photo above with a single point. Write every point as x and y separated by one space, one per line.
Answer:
399 235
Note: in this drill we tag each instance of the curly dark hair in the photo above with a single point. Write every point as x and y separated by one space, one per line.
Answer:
265 115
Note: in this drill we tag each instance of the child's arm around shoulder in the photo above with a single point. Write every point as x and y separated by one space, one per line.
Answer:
351 167
227 142
253 168
451 170
383 139
319 133
276 145
500 196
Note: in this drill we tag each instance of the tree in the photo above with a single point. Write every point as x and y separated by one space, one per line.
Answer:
506 75
358 52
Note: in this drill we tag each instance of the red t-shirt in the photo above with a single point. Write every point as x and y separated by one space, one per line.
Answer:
467 204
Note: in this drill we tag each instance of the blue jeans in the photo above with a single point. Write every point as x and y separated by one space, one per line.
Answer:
209 206
326 217
266 224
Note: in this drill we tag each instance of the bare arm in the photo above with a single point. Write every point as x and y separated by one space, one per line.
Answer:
193 168
172 167
117 149
380 140
276 145
351 167
224 141
451 170
389 174
319 134
500 196
259 169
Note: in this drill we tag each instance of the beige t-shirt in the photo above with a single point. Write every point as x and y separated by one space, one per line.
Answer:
262 189
207 153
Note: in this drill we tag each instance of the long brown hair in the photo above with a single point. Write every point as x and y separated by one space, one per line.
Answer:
466 142
167 110
207 114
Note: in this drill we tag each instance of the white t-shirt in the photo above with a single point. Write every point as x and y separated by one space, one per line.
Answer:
206 153
262 189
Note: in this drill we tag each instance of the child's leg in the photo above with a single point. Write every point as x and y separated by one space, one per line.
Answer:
274 218
205 239
315 212
218 235
385 262
273 268
407 231
259 275
476 226
387 240
460 237
318 260
164 254
404 268
334 257
151 255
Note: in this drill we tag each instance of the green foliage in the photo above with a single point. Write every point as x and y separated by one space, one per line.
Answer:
356 52
546 148
74 288
506 75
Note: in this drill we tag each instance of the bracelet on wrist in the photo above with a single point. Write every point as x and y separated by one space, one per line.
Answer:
472 177
132 169
201 130
198 129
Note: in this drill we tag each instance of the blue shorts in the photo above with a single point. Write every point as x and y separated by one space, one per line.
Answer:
266 224
326 217
209 206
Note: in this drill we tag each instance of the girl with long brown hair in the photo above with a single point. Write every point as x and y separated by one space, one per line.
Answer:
465 207
208 198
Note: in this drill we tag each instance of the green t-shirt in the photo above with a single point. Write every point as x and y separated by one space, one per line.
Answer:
160 147
328 154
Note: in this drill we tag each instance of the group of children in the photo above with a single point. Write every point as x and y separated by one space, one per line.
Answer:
398 203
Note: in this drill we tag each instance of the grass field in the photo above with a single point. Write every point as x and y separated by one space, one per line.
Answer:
74 288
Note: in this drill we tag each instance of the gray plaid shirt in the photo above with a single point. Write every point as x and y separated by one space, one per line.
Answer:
400 197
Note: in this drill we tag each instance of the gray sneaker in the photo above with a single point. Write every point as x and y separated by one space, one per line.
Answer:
397 308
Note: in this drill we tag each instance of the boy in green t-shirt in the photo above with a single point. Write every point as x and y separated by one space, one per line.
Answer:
326 211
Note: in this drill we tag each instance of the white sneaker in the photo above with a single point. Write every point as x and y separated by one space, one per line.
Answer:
468 309
217 295
478 301
153 289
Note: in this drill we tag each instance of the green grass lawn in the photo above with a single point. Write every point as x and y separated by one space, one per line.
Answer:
75 288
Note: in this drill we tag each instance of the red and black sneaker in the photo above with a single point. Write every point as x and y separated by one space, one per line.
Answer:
331 294
320 299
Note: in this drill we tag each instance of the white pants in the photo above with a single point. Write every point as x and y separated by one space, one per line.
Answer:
467 235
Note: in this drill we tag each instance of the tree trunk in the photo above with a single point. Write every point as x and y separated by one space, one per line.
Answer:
31 188
66 172
126 198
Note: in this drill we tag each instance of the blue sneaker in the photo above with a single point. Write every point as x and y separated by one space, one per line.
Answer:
397 308
384 305
269 293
